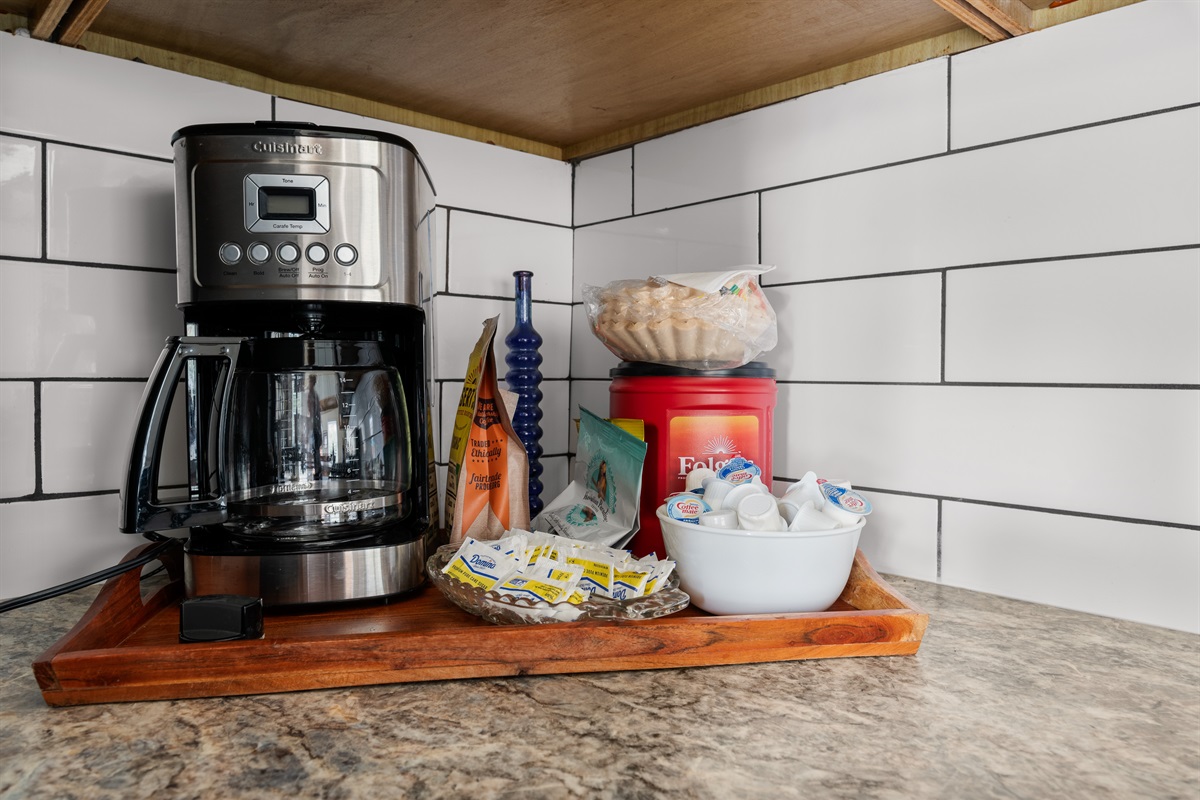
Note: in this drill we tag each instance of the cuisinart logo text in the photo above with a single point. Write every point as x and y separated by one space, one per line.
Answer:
285 147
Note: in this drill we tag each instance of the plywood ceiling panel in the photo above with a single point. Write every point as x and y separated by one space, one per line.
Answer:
561 77
550 70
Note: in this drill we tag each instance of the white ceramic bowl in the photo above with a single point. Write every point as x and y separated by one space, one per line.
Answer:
760 572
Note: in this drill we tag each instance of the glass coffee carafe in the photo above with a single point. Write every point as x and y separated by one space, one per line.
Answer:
316 440
310 438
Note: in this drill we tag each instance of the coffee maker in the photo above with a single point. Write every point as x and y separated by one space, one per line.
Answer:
304 256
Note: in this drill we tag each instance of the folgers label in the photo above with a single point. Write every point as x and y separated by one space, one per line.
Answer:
712 441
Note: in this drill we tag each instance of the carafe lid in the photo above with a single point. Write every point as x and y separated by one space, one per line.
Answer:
292 353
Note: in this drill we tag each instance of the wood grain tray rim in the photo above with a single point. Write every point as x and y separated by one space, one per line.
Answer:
120 649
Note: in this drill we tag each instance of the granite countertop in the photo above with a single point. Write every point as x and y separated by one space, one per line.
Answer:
1004 699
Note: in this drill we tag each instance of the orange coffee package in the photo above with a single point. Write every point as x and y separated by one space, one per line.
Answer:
487 486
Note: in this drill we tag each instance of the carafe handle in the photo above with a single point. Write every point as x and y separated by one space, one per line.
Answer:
140 509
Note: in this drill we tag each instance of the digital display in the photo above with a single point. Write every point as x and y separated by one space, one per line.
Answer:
286 203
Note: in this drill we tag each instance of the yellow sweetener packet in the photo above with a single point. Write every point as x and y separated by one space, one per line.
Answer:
597 570
480 564
546 589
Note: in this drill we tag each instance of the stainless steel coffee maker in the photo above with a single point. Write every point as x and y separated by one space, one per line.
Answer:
304 257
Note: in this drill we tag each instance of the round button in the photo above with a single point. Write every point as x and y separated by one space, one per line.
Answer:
231 253
259 252
345 254
288 253
317 253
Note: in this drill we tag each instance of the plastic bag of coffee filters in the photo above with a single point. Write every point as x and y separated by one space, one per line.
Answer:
694 320
487 484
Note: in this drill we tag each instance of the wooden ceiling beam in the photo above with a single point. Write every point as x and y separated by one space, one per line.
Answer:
1011 15
46 17
83 13
975 19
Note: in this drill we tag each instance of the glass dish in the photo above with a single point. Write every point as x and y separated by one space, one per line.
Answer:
507 610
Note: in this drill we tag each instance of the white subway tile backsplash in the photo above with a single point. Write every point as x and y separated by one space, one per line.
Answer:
876 329
1129 185
1069 449
109 209
459 322
465 173
704 237
75 96
86 430
556 408
886 118
67 321
20 197
1145 573
1118 319
486 250
900 536
1093 69
50 542
17 468
604 187
589 357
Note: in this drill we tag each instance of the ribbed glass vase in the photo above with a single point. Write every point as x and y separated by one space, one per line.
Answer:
525 379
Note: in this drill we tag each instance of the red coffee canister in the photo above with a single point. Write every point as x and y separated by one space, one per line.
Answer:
693 419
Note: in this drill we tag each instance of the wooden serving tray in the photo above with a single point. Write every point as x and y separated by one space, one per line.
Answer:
127 648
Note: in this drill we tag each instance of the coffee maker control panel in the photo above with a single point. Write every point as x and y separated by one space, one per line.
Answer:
317 232
286 203
291 212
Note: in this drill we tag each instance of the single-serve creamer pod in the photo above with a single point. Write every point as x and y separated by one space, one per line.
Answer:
808 518
686 507
804 490
844 505
695 478
715 490
788 508
723 518
743 490
738 471
758 512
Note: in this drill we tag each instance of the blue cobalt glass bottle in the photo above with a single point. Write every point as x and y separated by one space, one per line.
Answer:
524 378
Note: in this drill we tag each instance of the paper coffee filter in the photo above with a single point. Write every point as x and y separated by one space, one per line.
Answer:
698 320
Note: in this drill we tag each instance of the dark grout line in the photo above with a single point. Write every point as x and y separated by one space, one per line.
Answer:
496 215
38 471
987 264
943 330
949 103
939 540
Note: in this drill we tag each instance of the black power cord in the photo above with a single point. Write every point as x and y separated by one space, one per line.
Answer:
163 545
